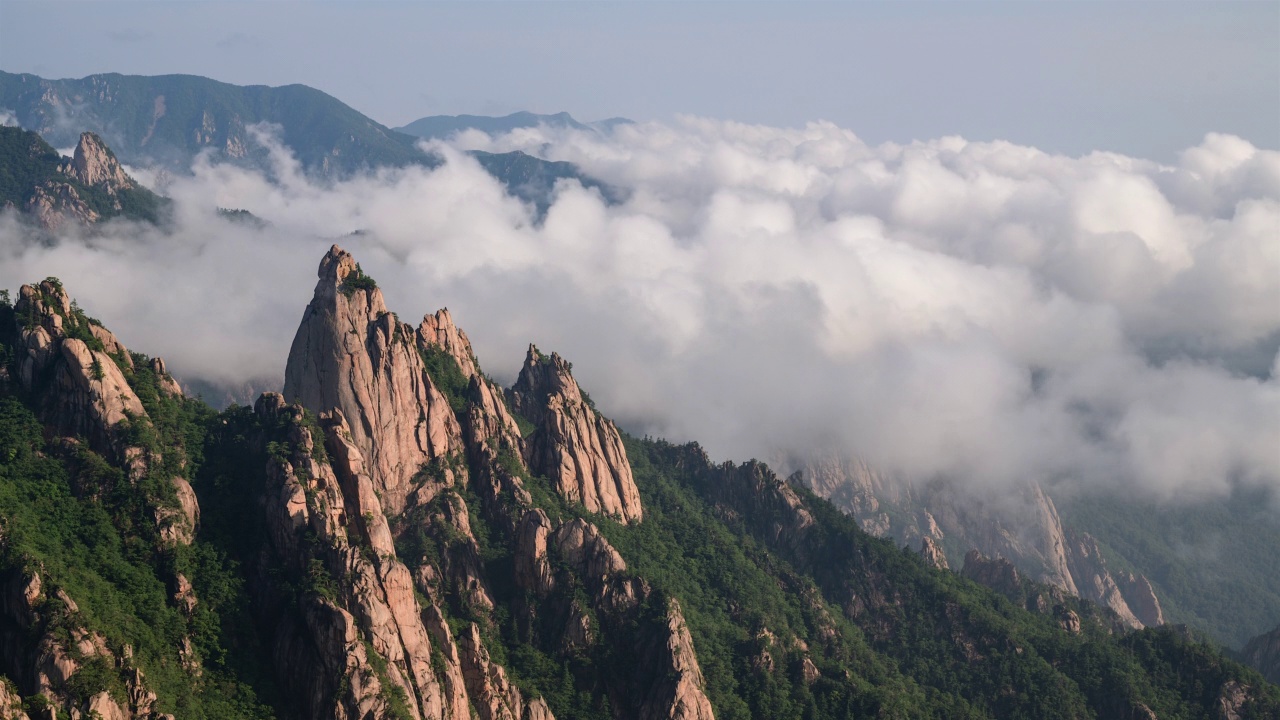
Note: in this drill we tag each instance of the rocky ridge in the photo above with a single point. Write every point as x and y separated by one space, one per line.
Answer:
1023 527
89 187
80 373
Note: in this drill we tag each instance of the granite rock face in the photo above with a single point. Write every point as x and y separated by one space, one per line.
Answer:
576 447
77 371
45 643
364 639
351 354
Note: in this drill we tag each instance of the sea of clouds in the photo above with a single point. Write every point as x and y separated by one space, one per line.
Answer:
984 312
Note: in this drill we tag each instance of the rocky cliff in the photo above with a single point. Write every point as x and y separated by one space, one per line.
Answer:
83 379
421 449
575 446
1263 653
351 354
1022 526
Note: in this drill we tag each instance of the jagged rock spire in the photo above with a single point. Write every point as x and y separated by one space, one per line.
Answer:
352 355
579 449
95 164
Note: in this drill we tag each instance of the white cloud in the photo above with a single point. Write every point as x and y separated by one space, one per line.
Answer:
983 311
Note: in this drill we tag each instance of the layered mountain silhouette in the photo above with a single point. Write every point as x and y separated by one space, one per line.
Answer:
167 120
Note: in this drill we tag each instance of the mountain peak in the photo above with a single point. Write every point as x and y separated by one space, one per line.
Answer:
95 165
579 449
350 354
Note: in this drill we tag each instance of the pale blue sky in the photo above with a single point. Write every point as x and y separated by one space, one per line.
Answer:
1146 78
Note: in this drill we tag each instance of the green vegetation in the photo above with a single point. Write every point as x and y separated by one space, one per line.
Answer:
26 162
447 376
73 514
357 280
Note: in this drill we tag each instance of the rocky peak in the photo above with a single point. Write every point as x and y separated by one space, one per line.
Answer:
86 391
932 553
576 447
486 415
1095 582
352 355
438 330
95 165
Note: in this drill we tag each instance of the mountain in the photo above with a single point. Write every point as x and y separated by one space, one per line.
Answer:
442 126
1263 653
88 187
167 120
397 536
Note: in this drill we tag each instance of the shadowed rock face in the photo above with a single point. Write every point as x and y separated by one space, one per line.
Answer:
1263 652
573 445
1022 526
352 355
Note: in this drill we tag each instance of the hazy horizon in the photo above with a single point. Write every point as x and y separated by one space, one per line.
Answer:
1145 79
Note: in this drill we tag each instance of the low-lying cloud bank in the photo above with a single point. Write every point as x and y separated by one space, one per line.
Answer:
982 311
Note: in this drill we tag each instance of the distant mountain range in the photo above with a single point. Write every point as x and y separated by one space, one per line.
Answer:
166 120
442 126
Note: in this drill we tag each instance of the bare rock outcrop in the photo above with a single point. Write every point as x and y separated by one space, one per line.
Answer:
53 203
351 354
11 701
532 568
369 614
493 695
94 164
1023 527
681 696
486 417
371 604
438 330
576 447
44 644
1141 598
932 553
1095 582
86 393
1263 653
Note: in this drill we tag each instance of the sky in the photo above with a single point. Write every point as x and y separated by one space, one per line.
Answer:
1147 79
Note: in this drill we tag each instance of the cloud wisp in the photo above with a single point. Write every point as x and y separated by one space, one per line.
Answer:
980 311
